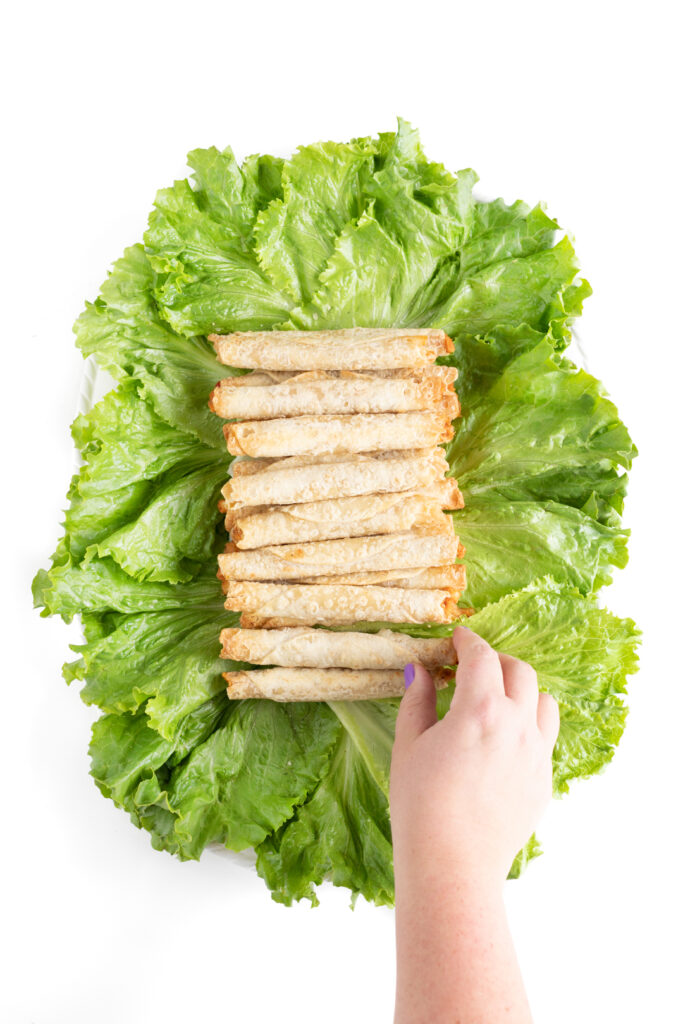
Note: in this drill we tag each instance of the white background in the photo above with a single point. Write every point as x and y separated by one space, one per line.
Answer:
577 104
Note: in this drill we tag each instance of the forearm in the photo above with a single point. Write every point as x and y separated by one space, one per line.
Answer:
455 958
466 793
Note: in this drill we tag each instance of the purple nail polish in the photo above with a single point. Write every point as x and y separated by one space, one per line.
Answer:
409 674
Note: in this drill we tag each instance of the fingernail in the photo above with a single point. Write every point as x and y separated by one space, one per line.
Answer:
409 674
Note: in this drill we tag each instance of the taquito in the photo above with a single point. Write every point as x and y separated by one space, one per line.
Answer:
321 684
326 518
441 577
355 349
360 432
309 604
250 621
304 647
320 394
263 378
257 378
364 515
243 465
354 475
332 557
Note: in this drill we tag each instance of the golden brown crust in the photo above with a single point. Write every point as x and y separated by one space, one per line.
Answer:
339 435
321 684
310 604
354 348
342 477
401 551
443 577
320 393
307 647
280 527
244 465
233 646
361 515
455 496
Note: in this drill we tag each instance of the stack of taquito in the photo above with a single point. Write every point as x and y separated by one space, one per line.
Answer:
335 508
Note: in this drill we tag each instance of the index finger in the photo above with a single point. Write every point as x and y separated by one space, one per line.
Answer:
479 671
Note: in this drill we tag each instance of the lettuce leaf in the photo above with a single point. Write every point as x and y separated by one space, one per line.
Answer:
167 660
295 235
342 832
170 657
415 215
500 293
247 778
485 289
543 432
232 774
100 585
510 543
125 333
147 493
175 532
198 242
131 764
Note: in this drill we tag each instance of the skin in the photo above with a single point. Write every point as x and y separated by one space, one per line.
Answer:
466 794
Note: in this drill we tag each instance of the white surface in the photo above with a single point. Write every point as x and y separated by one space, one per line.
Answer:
572 104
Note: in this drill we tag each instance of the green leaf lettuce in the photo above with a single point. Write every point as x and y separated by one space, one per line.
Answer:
369 233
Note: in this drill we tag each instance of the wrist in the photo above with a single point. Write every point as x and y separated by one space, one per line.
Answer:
448 879
426 856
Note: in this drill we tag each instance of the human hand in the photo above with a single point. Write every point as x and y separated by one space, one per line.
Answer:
467 791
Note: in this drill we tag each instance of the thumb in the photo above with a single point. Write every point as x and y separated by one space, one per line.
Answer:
417 711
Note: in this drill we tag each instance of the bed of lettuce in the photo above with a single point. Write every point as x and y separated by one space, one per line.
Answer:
366 233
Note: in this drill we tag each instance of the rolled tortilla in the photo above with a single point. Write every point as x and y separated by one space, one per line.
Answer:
264 378
442 577
309 604
361 516
448 374
304 647
452 578
320 394
308 435
242 465
255 379
342 478
250 621
333 557
355 348
318 684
